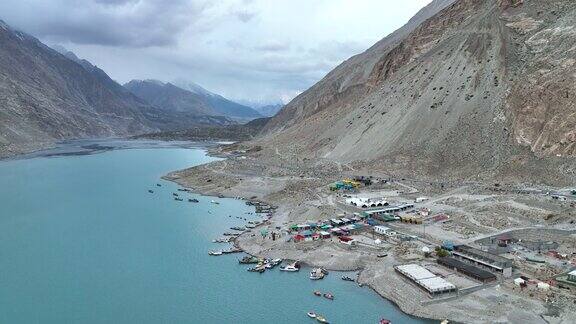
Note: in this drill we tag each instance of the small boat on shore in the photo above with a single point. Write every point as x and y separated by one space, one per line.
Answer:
232 250
382 255
294 267
248 260
346 278
316 274
270 264
221 240
276 262
321 319
329 296
311 314
259 268
215 253
238 228
230 234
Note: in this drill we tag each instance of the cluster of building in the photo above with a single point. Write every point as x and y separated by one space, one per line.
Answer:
339 227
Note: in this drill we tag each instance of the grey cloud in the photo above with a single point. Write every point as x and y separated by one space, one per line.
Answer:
132 23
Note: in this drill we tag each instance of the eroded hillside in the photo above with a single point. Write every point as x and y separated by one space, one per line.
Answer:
482 88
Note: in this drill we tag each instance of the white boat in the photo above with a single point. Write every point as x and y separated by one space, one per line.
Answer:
311 314
316 274
214 202
219 252
289 268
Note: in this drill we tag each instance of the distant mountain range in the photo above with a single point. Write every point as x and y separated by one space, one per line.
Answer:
48 95
189 97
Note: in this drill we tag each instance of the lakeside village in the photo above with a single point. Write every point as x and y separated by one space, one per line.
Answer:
427 245
416 238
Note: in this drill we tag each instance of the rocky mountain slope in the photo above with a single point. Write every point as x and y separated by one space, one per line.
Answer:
192 99
45 96
467 88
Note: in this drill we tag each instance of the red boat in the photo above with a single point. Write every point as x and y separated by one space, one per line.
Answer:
385 321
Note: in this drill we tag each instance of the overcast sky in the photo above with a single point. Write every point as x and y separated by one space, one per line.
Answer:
257 50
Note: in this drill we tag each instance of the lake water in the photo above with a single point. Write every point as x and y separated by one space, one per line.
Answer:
82 241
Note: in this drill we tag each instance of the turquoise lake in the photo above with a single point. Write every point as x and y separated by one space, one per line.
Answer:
82 241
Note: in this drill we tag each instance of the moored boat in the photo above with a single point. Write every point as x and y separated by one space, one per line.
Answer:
248 260
385 321
193 200
311 314
232 250
321 319
346 278
259 268
329 296
178 199
151 191
214 253
317 293
290 268
316 274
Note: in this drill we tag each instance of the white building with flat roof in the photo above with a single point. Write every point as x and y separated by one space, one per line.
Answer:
381 229
427 280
